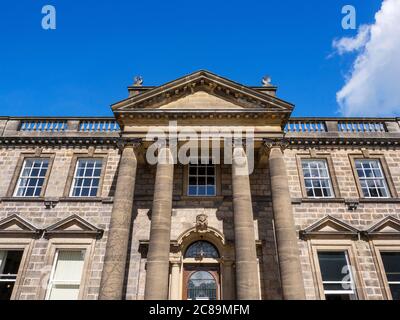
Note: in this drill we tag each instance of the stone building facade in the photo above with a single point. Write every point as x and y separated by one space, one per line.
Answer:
84 213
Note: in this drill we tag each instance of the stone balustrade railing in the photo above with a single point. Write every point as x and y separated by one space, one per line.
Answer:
63 127
99 125
355 127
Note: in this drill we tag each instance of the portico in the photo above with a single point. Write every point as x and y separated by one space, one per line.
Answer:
200 101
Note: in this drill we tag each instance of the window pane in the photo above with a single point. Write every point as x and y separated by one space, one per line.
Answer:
316 178
202 249
372 180
201 170
93 192
310 193
192 190
210 170
210 190
64 292
395 290
318 192
9 266
67 275
84 192
69 266
201 286
391 263
192 170
201 190
333 265
33 176
201 180
87 178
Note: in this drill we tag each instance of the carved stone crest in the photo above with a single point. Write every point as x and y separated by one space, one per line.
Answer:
201 222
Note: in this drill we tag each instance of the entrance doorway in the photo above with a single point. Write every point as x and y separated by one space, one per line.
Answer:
201 272
201 283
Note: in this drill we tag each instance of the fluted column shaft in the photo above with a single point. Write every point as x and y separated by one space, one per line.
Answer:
247 284
111 287
157 267
287 245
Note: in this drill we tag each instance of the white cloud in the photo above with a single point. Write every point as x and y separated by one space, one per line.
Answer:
372 86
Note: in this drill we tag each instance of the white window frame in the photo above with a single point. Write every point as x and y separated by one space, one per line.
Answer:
352 293
74 180
28 177
319 178
199 162
10 277
53 282
383 178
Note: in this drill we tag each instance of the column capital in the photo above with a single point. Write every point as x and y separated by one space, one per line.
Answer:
122 143
270 143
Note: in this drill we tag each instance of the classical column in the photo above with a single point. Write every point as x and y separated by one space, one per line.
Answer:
113 274
175 283
157 267
247 285
287 245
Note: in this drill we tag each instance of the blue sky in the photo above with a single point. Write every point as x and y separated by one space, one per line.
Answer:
98 47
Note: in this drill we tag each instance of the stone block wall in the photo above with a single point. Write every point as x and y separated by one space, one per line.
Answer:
366 214
218 209
95 211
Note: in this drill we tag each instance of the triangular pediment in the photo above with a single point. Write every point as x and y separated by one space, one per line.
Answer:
329 226
73 226
202 90
388 226
16 225
200 100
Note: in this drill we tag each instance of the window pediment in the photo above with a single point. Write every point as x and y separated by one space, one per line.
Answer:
73 226
14 225
329 227
388 226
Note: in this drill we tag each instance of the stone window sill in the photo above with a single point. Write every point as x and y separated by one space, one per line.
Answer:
317 200
52 201
379 200
86 199
194 198
22 199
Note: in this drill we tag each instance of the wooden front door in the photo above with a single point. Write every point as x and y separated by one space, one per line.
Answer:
201 282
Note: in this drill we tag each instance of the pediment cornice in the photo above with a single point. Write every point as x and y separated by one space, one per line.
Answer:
331 227
14 225
387 227
247 98
75 226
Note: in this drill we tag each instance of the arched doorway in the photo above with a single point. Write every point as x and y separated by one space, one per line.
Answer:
201 272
